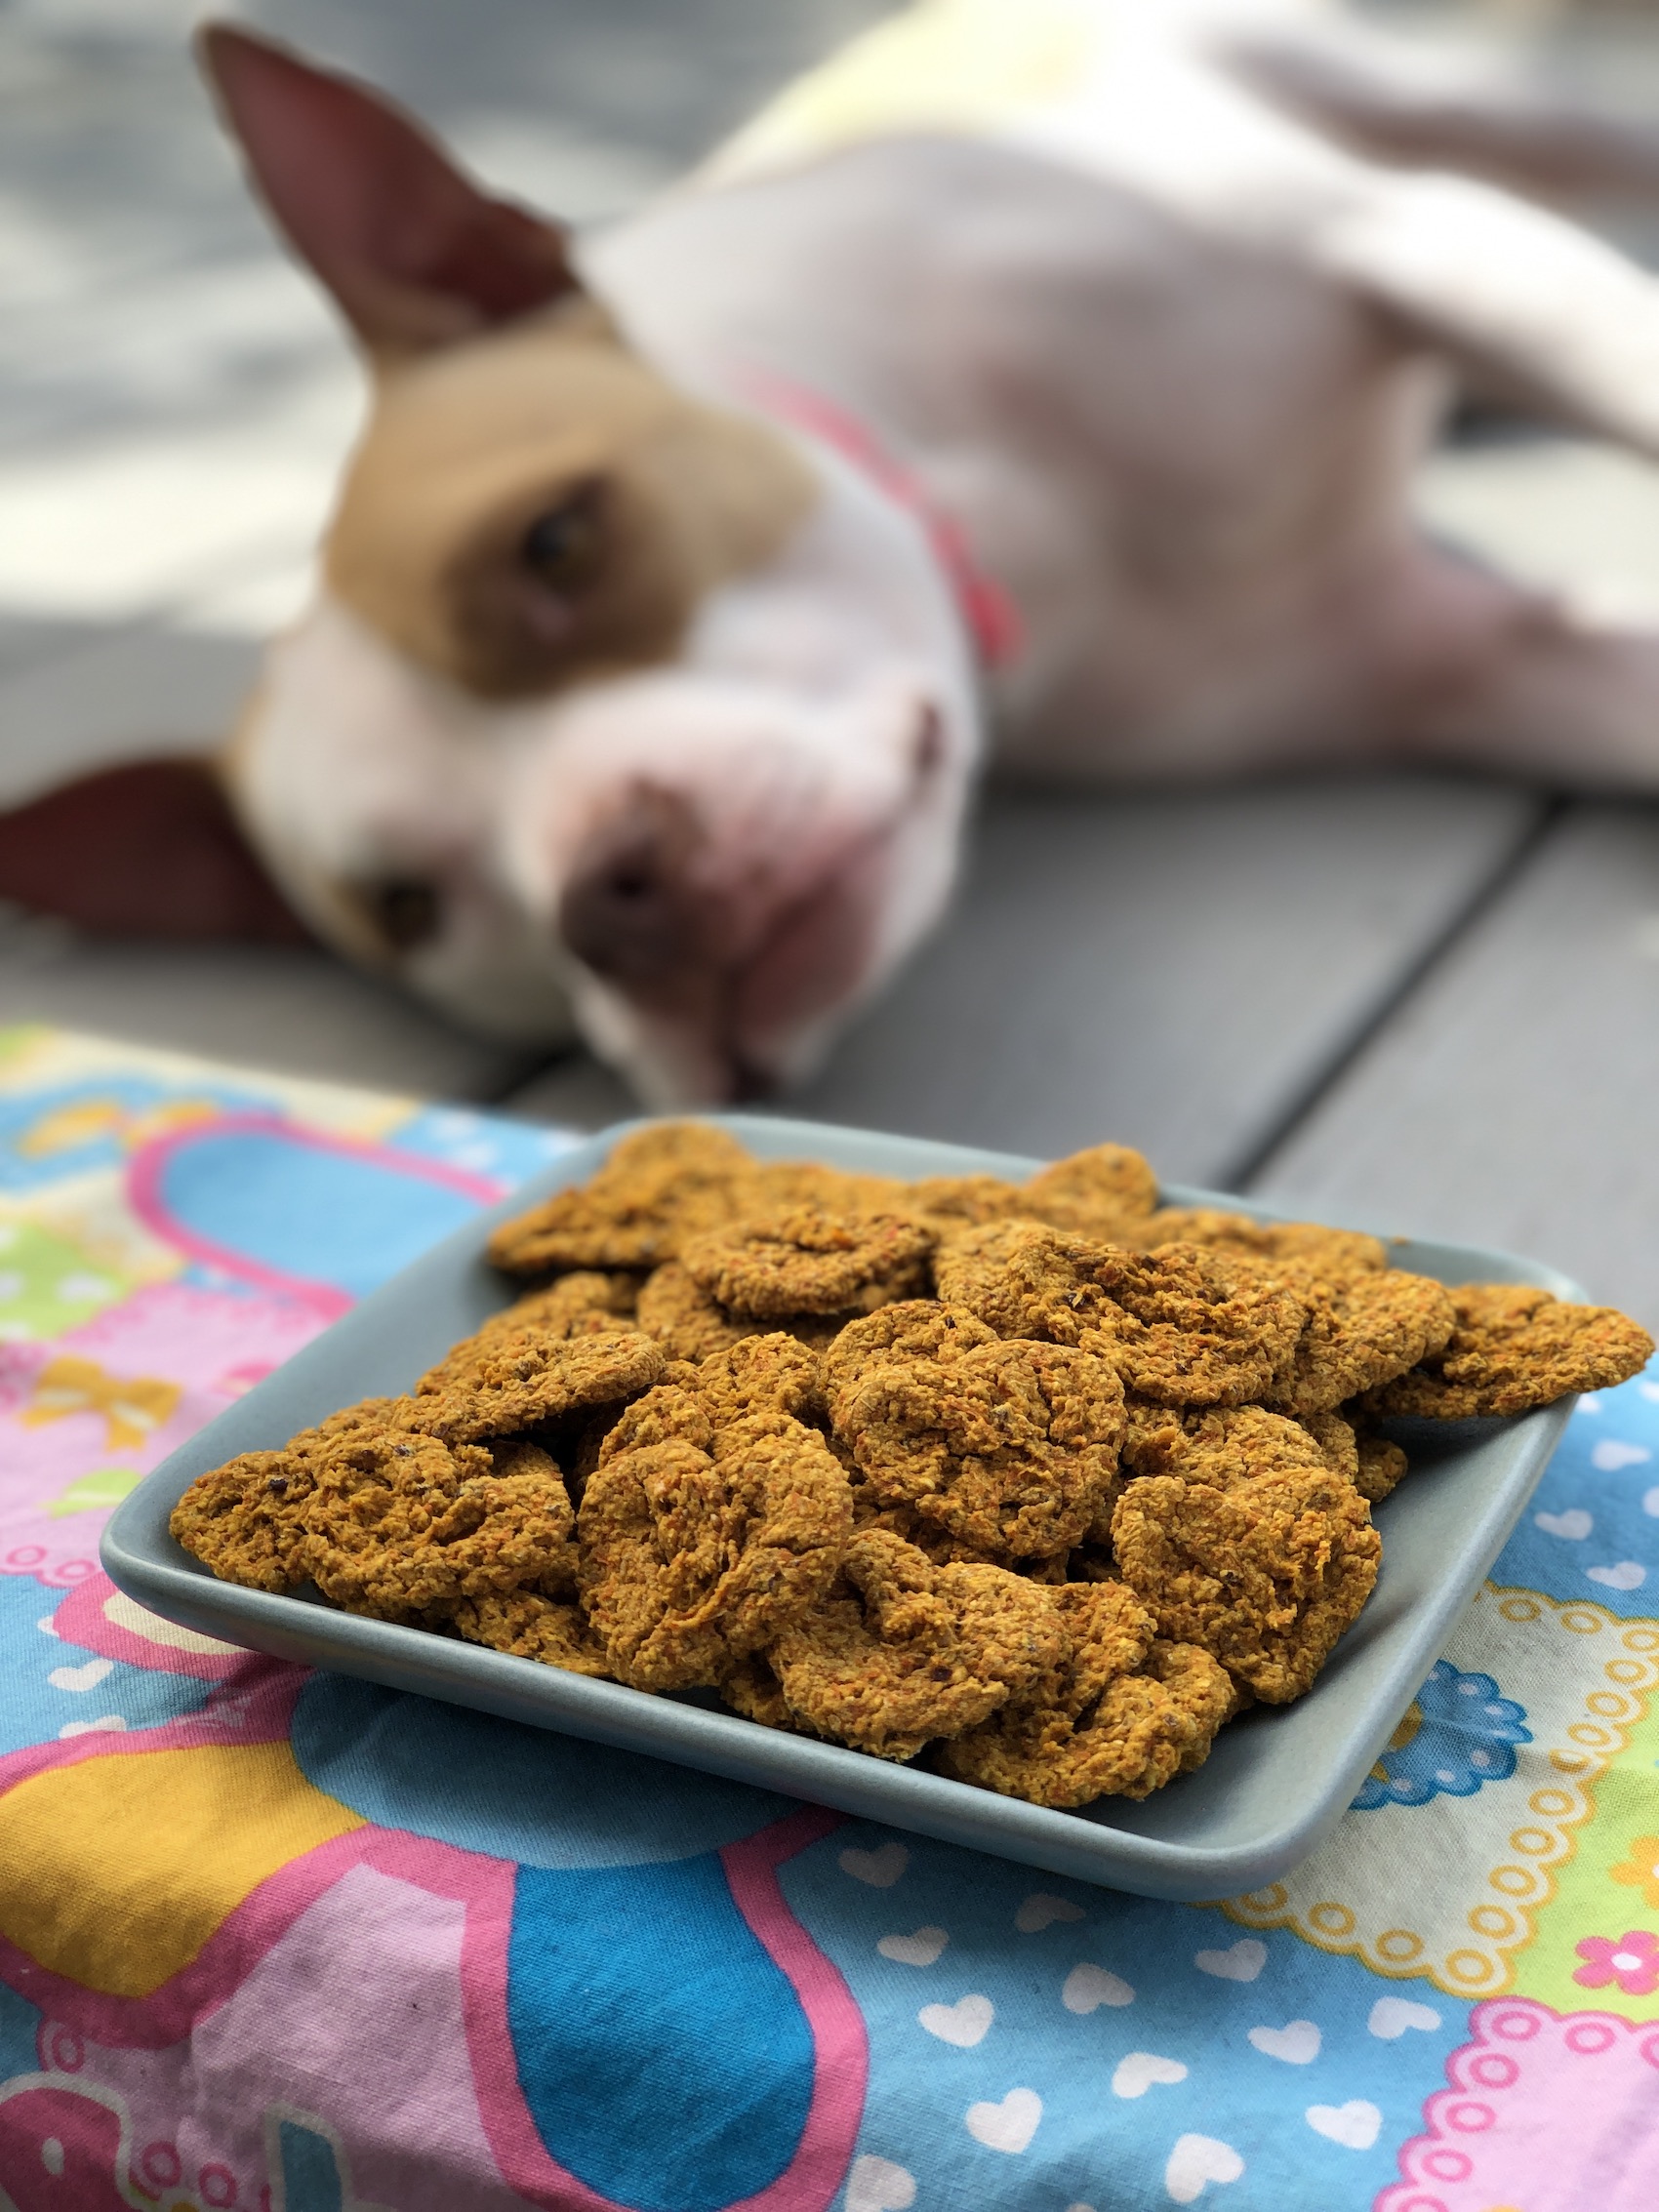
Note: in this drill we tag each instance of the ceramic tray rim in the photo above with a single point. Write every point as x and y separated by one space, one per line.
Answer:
141 1559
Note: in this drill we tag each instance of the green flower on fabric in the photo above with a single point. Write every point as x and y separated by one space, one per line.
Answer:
47 1284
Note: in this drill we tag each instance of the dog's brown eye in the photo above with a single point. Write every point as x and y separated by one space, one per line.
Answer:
561 547
407 914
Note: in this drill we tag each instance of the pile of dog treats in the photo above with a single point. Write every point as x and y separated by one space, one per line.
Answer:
1048 1479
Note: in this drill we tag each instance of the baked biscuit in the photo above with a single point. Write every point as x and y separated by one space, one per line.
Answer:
679 1314
1191 1327
1100 1193
658 1184
518 1377
1182 1325
1360 1331
1123 1715
1022 1279
582 1305
1332 1255
914 1328
706 1544
1371 1463
243 1520
1225 1446
1265 1575
1009 1449
902 1652
1338 1445
951 1203
1382 1463
946 1550
774 1373
529 1626
398 1523
749 1687
776 1267
780 1186
573 1306
691 1325
1514 1346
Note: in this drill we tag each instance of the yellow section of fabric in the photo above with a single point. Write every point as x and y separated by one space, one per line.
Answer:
131 1405
957 66
1452 1889
120 1868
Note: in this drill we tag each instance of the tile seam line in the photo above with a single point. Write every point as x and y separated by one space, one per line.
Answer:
1244 1169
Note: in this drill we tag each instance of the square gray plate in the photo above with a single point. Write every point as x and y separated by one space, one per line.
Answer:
1275 1783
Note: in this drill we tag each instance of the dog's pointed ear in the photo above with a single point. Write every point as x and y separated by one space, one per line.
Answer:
413 252
147 850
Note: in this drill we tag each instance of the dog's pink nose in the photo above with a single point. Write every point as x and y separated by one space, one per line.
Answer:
630 911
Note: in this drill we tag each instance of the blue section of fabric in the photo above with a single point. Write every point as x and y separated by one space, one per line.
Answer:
1460 1734
1592 1530
65 1129
19 2025
310 2173
329 1217
34 1709
508 1152
512 1793
662 2054
1089 2016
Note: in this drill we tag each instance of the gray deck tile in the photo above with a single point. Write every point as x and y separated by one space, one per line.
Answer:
1512 1101
1172 972
119 692
293 1009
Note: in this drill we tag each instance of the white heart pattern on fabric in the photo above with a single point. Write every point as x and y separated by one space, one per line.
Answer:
1297 2042
1391 2017
85 1677
876 2185
1574 1524
881 1869
1087 1988
1008 2126
919 1949
1241 1962
1650 1502
112 1722
1136 2073
1610 1455
1040 1910
964 2023
1355 2125
1195 2161
1626 1575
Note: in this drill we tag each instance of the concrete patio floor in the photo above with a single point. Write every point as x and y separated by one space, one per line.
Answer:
1424 1003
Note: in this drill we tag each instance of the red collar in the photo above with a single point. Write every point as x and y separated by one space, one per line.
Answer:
992 617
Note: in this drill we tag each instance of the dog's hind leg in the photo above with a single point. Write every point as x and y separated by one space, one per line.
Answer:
1476 668
1422 111
1522 301
1475 671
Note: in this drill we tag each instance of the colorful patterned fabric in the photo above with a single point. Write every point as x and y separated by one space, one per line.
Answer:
290 1943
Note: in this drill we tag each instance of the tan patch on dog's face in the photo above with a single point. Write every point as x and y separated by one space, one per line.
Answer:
538 505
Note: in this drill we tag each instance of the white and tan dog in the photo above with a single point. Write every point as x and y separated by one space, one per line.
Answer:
1055 366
